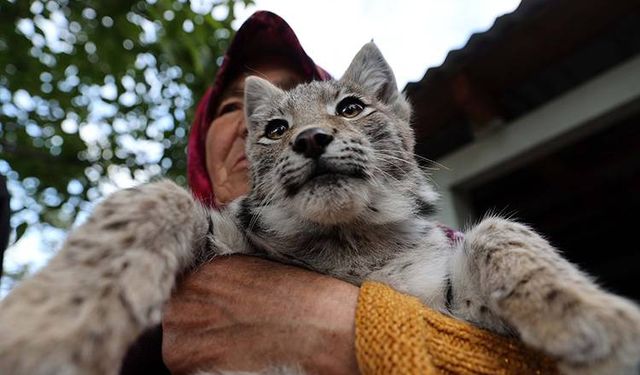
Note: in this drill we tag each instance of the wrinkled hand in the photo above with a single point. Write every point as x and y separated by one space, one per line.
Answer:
245 314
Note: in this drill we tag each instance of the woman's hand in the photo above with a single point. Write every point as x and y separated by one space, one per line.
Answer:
246 314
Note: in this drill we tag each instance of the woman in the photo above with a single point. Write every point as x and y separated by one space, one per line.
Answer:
265 46
246 314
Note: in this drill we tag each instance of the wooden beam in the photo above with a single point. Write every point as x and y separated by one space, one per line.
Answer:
574 115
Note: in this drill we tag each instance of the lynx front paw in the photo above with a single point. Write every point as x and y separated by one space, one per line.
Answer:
551 304
152 216
588 331
601 335
80 313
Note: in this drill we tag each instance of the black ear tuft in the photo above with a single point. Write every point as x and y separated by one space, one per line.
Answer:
370 70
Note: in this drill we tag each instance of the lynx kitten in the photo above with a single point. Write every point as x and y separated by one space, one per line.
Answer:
335 188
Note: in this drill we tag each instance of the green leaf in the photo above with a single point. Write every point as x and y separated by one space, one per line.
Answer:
121 72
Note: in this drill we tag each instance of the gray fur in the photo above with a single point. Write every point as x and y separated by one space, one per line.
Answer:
361 211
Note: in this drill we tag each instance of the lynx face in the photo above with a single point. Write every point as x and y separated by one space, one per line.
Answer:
326 150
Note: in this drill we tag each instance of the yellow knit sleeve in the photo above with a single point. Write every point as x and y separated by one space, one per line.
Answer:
396 334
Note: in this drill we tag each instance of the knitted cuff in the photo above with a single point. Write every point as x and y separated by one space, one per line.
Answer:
390 333
396 334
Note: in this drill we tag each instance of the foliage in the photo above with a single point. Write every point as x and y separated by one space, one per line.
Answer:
94 93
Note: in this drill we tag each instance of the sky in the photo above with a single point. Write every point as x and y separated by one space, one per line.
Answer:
412 35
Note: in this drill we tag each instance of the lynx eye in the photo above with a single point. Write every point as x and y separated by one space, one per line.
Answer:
349 107
276 128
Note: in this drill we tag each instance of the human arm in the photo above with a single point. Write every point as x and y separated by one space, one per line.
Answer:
245 313
279 313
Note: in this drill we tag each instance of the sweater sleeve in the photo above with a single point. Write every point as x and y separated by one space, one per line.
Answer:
396 334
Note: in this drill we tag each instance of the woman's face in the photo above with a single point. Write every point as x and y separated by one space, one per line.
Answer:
226 162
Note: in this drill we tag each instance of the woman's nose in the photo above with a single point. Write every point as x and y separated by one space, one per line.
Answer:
241 128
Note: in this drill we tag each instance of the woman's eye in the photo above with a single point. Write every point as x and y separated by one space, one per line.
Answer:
229 107
276 128
350 107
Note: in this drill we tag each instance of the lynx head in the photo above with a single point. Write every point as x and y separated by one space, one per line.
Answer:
336 151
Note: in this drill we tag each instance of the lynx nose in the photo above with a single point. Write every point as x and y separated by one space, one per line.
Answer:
312 142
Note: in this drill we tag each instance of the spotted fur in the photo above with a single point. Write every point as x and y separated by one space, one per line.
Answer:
359 209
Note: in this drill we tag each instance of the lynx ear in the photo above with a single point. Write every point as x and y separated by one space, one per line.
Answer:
370 70
258 92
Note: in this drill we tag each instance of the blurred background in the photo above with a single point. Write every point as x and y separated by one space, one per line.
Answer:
531 108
